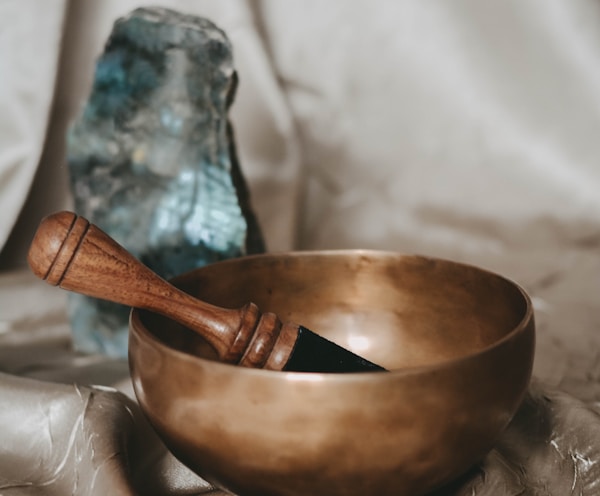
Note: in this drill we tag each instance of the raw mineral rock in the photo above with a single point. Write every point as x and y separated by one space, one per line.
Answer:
152 157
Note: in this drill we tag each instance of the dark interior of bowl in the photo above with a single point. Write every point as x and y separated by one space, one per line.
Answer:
397 311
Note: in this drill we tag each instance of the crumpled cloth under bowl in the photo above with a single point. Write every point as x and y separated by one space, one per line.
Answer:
60 439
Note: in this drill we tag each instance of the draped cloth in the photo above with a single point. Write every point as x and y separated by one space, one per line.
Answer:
462 130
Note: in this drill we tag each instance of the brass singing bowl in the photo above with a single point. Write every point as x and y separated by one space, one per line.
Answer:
458 341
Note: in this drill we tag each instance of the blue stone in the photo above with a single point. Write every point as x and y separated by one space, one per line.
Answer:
152 157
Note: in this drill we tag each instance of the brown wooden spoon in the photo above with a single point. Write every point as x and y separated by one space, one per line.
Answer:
69 252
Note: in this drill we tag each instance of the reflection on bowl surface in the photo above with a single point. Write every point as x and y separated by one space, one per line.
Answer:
458 342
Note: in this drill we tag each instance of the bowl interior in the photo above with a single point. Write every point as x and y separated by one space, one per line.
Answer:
395 310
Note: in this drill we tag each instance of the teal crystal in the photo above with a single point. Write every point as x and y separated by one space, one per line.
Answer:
152 158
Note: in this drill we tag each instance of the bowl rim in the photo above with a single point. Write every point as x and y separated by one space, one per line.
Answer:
525 323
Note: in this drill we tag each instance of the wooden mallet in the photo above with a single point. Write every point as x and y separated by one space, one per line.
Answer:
69 252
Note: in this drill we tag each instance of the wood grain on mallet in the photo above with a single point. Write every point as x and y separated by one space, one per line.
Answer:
69 252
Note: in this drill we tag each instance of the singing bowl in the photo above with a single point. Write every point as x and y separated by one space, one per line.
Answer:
458 342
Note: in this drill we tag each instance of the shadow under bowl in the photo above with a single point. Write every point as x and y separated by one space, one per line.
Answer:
458 342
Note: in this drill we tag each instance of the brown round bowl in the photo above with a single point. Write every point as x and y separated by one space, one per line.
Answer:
458 343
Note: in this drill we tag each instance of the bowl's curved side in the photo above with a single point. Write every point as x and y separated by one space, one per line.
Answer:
276 433
404 432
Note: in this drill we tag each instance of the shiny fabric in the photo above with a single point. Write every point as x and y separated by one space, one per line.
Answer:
70 439
465 130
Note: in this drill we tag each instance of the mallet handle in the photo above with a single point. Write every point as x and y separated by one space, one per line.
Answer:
69 252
